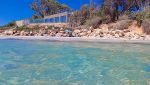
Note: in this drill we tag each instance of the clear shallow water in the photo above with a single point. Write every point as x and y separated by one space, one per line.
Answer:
64 63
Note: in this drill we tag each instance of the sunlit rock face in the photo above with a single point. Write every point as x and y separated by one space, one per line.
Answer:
134 27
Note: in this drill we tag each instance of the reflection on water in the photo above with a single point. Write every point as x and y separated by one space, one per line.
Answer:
78 63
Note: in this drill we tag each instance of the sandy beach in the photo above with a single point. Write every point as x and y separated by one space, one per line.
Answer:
75 39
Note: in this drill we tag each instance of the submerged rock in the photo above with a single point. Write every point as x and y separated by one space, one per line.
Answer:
11 66
147 68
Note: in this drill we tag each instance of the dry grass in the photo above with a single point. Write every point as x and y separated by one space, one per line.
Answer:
94 22
124 17
146 26
121 25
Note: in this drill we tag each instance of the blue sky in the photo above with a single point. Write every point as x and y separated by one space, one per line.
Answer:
20 9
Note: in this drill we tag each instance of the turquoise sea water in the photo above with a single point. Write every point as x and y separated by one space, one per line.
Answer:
73 63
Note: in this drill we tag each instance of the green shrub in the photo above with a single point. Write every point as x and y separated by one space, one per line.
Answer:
147 12
5 28
143 18
1 28
139 16
94 22
142 15
50 27
105 18
11 24
23 28
121 25
124 17
57 28
36 27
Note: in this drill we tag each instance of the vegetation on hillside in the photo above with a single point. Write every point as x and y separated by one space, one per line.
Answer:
8 26
11 24
122 12
108 10
111 10
47 7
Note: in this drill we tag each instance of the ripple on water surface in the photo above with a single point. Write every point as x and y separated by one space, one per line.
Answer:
76 63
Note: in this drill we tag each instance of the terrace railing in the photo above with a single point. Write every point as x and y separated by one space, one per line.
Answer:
52 19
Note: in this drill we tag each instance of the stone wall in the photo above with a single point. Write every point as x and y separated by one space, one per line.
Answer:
50 24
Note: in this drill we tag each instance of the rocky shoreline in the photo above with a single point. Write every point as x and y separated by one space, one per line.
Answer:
104 31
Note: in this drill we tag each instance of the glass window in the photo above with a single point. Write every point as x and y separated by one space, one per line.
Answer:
56 19
39 21
31 21
47 21
51 20
63 19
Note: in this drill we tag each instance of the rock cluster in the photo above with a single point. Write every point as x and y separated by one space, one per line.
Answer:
104 31
40 32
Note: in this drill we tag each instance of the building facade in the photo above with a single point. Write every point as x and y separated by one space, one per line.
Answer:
58 20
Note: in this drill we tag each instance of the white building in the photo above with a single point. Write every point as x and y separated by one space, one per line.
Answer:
58 20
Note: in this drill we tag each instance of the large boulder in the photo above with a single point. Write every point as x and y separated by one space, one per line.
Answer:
76 31
83 34
121 34
104 27
9 32
22 33
59 35
97 31
89 31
